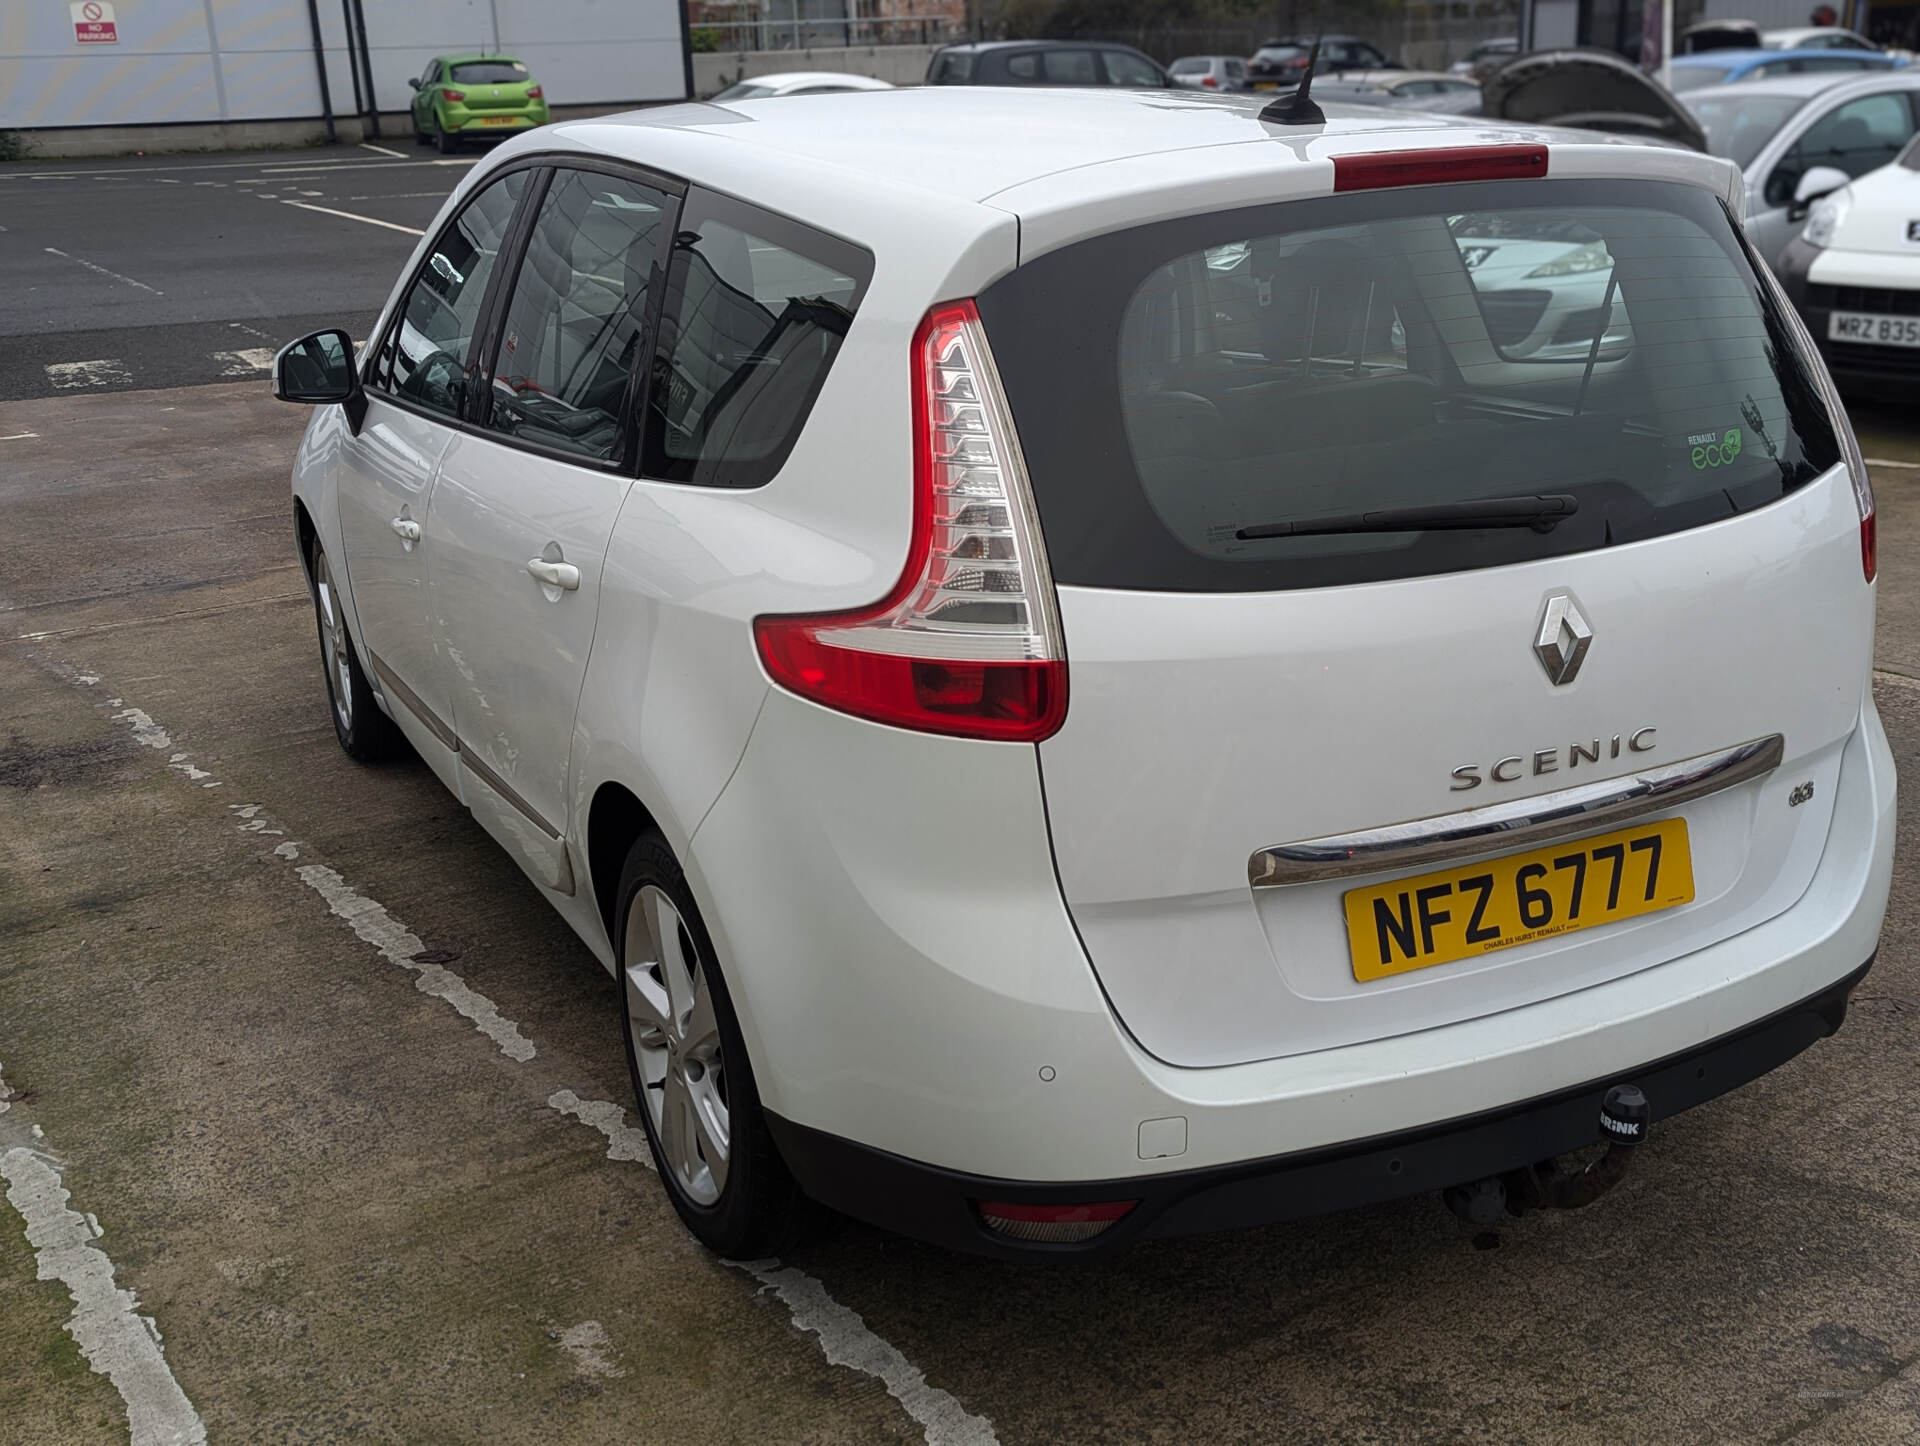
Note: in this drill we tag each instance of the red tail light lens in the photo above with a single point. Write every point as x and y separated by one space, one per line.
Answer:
534 92
1208 80
1053 1223
967 643
1433 167
1869 549
453 95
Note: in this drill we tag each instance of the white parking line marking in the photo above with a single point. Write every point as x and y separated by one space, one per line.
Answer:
398 944
370 146
105 372
19 436
624 1141
1889 462
249 361
118 1343
78 261
370 220
845 1339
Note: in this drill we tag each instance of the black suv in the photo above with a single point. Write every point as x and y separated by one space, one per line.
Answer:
1280 64
1043 62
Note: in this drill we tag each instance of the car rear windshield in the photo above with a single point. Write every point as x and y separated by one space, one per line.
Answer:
1191 66
744 91
1179 384
489 72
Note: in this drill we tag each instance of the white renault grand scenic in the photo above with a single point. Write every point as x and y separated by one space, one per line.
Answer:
1087 678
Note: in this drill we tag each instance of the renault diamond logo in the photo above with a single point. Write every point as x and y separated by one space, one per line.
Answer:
1564 639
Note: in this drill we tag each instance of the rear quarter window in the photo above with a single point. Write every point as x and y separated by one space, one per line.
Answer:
755 311
1178 384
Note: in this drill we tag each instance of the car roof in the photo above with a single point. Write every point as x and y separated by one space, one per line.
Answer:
817 77
973 143
1817 83
1750 58
981 46
469 59
1389 77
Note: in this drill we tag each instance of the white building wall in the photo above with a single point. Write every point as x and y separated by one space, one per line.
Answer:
179 61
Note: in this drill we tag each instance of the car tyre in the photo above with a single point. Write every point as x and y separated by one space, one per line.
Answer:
691 1077
367 734
446 142
420 137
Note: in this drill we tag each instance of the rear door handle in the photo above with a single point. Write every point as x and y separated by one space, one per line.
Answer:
563 575
406 528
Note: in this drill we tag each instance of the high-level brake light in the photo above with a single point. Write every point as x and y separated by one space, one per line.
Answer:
1439 166
967 642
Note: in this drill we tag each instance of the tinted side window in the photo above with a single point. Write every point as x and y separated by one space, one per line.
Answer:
953 68
424 354
1124 69
578 314
1069 67
1858 137
755 310
1025 65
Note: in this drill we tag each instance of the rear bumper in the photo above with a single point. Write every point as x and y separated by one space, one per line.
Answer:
925 1025
938 1205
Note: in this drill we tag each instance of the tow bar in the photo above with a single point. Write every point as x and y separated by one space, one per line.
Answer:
1624 1118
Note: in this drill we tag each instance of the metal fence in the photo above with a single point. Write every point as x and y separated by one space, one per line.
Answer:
1431 41
806 32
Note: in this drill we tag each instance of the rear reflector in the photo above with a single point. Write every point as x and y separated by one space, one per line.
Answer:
1437 167
1053 1223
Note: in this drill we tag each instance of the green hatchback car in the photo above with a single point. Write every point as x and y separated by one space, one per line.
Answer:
474 95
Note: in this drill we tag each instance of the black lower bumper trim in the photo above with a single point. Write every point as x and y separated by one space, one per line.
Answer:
935 1204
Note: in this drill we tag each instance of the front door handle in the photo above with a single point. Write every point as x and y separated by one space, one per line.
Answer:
406 528
563 575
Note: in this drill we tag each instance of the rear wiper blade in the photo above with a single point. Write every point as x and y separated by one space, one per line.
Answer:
1540 512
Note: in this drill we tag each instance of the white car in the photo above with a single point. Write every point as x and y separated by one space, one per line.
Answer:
1779 130
1079 690
799 82
1854 272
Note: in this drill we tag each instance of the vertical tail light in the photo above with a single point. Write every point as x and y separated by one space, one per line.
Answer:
453 95
534 92
968 642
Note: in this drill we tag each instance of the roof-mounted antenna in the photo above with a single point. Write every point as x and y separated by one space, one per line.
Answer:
1298 109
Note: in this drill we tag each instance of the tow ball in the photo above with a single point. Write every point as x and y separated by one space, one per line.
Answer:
1624 1118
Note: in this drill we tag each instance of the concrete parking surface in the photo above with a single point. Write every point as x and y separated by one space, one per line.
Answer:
296 1066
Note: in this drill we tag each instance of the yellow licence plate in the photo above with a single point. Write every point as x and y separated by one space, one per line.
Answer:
499 120
1266 85
1458 913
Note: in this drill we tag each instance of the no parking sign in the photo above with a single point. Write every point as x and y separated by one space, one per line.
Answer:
93 23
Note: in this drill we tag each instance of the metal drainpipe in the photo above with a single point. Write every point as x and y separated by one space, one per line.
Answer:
366 59
320 59
353 58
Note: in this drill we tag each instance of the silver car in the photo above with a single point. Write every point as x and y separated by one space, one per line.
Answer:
1778 131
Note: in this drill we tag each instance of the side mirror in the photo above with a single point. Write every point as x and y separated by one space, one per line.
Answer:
1817 182
318 371
412 83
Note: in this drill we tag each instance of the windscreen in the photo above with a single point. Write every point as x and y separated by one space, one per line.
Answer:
1693 77
1179 386
1737 126
746 90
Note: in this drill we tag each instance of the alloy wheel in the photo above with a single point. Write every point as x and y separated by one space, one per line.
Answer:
333 640
676 1042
